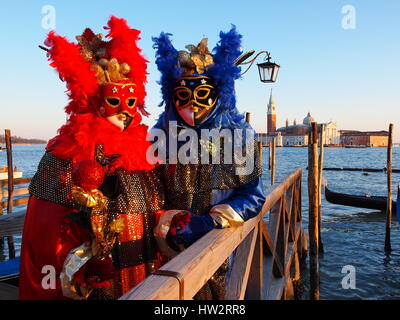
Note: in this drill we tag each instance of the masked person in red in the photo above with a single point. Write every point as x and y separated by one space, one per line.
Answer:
95 197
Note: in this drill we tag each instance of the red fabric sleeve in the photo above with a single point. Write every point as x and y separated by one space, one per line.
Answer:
47 239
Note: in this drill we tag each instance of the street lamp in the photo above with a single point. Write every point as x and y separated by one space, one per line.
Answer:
268 70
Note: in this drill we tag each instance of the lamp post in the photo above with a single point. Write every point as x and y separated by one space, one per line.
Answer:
268 71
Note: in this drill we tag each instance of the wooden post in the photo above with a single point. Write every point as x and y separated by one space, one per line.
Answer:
260 152
320 173
1 199
269 154
313 210
273 159
10 168
388 246
248 117
255 282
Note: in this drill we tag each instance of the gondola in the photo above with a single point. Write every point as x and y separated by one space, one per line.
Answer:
366 201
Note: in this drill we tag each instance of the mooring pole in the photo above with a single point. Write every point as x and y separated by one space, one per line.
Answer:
388 246
397 201
269 154
320 173
313 210
248 117
10 169
273 160
260 152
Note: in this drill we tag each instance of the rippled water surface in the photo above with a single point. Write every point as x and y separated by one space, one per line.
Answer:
351 236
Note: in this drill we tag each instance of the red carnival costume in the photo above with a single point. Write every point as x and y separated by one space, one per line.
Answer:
95 196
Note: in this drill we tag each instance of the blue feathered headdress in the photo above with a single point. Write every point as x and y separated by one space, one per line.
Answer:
224 72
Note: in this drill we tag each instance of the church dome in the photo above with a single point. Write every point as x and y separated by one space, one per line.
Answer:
308 120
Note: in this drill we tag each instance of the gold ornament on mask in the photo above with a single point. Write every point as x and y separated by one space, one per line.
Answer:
197 59
94 50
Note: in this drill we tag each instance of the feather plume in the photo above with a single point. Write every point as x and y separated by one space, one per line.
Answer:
224 71
167 63
81 81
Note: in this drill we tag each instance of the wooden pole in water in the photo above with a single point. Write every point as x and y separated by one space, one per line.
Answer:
10 168
313 210
388 246
269 154
397 200
273 158
260 152
320 172
248 117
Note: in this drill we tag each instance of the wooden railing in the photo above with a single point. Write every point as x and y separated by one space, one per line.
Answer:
10 224
266 253
4 193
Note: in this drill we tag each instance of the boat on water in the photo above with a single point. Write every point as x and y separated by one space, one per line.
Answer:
360 201
4 173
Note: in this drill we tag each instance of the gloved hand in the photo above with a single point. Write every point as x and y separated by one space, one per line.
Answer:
187 228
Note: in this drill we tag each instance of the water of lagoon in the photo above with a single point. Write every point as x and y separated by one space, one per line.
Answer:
351 236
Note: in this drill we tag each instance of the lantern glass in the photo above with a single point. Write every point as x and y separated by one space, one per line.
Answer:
268 71
275 73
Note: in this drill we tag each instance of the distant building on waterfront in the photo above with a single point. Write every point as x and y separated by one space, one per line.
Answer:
295 134
364 138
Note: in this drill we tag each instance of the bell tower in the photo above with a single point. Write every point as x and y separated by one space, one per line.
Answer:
271 115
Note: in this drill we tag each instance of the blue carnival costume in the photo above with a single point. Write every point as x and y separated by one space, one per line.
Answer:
198 93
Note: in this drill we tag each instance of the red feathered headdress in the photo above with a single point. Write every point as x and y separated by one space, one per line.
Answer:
97 74
92 62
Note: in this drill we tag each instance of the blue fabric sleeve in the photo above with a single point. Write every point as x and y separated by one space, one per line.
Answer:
247 200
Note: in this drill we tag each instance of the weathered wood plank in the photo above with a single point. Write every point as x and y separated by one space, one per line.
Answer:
268 247
320 169
17 181
17 192
16 202
255 283
236 287
313 211
10 170
1 199
199 262
273 159
196 264
11 224
10 189
8 292
388 246
275 286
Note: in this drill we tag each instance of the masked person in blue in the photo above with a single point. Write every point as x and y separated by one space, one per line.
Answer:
202 135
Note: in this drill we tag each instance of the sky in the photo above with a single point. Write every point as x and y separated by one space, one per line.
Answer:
339 59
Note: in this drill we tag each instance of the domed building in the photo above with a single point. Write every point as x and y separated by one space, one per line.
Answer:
308 120
297 129
295 134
